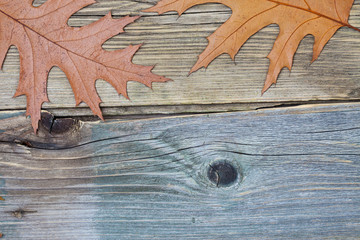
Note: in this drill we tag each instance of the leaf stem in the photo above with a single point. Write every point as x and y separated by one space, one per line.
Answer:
317 13
352 27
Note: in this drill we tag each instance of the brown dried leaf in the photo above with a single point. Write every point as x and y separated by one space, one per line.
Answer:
44 40
296 18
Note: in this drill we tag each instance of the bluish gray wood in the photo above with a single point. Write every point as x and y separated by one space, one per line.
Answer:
147 179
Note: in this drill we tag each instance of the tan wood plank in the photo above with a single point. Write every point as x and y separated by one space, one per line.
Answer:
173 44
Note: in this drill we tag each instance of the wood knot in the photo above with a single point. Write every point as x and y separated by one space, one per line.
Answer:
223 173
57 125
21 212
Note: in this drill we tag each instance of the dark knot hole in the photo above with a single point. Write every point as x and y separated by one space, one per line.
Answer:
222 173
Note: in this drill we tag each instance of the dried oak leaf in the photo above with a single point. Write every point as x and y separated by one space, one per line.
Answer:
44 39
296 18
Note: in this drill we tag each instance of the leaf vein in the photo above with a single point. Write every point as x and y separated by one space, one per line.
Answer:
292 34
231 34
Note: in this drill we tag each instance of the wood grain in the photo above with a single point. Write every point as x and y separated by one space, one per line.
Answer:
147 179
172 44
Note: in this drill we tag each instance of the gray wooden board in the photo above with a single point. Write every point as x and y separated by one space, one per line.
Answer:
173 44
147 179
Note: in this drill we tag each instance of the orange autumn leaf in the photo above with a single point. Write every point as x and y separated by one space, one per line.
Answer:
44 40
296 19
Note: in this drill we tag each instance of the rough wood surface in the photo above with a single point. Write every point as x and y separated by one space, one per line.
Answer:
148 179
173 44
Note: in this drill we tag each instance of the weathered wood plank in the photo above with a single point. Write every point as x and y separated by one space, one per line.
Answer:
173 44
298 176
